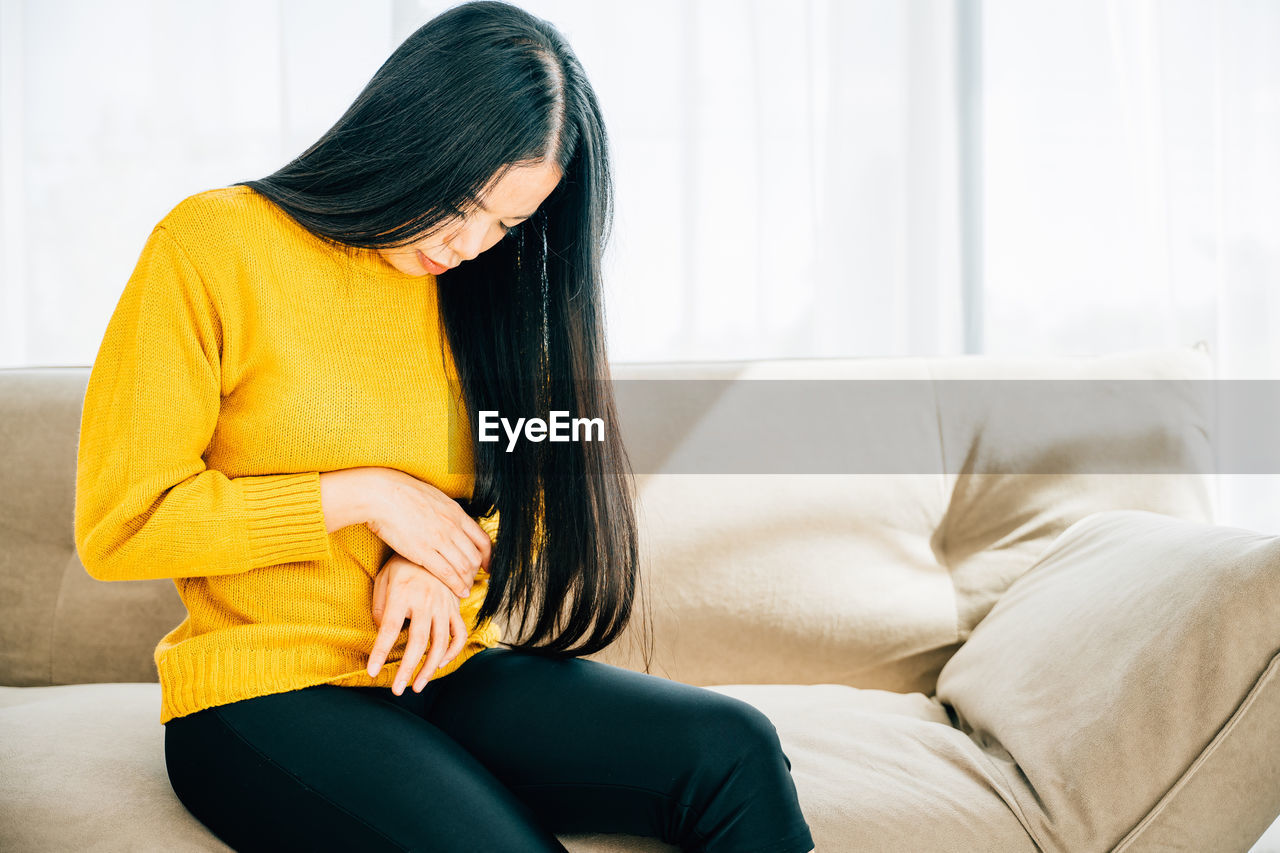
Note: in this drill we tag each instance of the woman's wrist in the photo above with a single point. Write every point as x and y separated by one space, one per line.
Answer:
347 496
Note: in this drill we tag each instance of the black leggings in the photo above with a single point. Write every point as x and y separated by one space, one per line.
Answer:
499 755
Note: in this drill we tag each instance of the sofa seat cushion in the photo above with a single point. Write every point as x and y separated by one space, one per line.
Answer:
883 771
1128 686
82 768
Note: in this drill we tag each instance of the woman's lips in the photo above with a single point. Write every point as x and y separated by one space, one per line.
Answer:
430 265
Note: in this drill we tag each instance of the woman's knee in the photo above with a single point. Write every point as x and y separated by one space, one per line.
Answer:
739 789
730 731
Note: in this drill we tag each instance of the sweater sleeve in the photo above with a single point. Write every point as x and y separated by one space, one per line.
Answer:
146 505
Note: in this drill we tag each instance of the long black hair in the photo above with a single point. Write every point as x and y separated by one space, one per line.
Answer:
480 88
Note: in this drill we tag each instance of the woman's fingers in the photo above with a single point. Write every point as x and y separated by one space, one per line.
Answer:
459 628
474 557
476 534
461 565
403 590
388 633
379 597
447 573
439 639
413 516
418 636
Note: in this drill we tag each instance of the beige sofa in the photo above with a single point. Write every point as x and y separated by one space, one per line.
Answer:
962 656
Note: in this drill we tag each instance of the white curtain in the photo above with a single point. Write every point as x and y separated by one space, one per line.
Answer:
795 177
786 174
784 169
1133 163
1132 187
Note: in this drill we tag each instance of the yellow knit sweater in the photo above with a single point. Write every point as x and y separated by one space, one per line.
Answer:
246 356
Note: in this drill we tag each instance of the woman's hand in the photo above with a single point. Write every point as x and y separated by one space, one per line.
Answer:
429 528
405 590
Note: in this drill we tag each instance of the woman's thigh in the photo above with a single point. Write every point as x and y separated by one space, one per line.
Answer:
339 768
593 747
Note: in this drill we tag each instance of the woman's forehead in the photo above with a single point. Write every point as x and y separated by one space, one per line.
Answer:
520 191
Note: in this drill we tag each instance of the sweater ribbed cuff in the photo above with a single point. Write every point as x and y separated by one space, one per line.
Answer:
285 518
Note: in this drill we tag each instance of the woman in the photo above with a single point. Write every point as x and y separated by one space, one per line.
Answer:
276 421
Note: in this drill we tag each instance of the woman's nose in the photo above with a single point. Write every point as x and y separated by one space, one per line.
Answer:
467 243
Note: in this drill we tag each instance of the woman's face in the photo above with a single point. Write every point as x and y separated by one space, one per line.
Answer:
507 203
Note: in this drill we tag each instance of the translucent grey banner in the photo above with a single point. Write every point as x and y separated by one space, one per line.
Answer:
948 426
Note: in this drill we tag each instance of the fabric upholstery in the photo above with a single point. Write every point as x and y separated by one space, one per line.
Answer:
1127 687
897 568
875 770
836 604
875 580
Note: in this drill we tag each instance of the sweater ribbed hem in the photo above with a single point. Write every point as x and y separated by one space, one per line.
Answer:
284 518
193 677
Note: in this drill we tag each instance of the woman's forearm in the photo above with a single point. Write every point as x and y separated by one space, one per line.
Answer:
346 496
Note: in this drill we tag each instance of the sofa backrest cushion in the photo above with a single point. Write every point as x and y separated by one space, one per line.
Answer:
874 580
57 624
871 580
